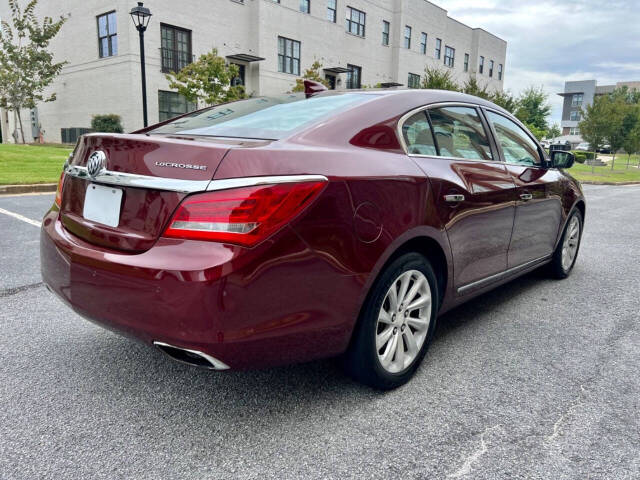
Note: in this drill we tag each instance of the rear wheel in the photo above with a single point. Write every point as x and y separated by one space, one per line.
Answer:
564 258
396 324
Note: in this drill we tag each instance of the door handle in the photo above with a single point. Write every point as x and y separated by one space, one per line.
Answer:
525 197
457 198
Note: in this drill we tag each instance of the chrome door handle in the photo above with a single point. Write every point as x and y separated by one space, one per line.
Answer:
454 198
525 197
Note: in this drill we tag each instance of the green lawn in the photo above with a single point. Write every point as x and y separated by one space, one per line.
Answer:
26 164
619 174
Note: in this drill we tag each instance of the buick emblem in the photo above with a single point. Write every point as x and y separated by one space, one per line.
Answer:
96 163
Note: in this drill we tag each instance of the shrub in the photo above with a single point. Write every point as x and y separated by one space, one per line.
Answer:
110 123
581 155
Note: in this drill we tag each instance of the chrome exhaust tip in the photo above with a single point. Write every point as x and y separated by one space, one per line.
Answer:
191 357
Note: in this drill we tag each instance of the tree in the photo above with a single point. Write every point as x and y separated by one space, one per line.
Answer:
110 123
472 87
622 115
26 65
312 73
554 131
209 79
439 79
594 124
614 111
631 143
533 108
505 100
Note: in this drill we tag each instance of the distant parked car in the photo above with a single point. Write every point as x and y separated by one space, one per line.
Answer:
605 149
583 147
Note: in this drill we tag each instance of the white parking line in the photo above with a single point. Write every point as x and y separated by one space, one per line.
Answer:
21 217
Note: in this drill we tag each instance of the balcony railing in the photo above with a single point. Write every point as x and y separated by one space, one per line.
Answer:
175 60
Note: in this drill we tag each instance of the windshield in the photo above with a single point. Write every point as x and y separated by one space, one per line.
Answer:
262 117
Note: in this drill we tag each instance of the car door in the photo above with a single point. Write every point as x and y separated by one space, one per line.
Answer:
539 206
473 191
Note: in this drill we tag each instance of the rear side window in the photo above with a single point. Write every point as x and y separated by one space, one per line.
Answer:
263 117
517 147
417 135
459 133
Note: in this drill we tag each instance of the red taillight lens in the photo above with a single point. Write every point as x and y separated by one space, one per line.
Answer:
244 216
58 199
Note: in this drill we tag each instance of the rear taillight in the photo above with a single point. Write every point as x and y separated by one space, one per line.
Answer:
58 199
243 216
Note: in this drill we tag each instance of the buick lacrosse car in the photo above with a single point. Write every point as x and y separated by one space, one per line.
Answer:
290 228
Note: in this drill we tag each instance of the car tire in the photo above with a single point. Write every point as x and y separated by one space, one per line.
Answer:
566 253
388 365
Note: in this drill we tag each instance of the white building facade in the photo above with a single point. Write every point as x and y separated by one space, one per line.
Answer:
360 43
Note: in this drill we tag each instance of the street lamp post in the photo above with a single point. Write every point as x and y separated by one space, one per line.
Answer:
141 16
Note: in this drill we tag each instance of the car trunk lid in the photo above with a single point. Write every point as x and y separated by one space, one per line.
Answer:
154 174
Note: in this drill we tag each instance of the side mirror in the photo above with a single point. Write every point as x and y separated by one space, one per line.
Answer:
562 159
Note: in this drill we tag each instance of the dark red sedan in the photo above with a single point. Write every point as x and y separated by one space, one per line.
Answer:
285 229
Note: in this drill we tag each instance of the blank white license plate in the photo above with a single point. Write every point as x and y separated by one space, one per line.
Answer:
102 205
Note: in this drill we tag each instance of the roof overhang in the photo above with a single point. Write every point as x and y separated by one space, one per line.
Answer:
337 69
569 94
390 84
244 57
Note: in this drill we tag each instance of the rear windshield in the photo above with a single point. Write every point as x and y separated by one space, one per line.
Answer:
262 117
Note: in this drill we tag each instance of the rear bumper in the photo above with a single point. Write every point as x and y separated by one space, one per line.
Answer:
277 303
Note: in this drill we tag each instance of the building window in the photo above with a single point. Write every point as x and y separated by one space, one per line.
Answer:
172 104
491 68
413 81
305 6
107 35
288 56
466 62
449 56
481 65
438 48
574 115
176 48
574 131
407 36
500 71
332 10
576 100
385 32
354 76
423 43
355 21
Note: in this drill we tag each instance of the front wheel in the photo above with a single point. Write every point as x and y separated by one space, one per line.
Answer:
396 324
564 258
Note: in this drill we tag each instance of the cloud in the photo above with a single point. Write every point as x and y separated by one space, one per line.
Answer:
552 41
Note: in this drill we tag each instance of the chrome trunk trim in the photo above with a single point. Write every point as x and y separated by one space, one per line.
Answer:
227 183
121 179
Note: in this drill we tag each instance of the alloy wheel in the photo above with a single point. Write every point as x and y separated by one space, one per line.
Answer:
403 321
570 244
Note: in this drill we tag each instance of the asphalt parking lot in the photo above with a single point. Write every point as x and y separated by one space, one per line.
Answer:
538 379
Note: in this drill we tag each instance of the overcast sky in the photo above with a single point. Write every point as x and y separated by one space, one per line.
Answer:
551 41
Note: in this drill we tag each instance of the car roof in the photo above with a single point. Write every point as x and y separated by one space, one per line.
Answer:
422 96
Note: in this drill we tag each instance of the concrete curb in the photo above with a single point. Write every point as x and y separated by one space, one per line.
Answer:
36 188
